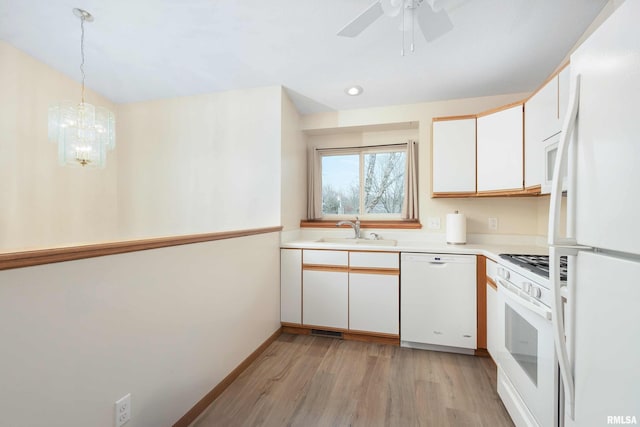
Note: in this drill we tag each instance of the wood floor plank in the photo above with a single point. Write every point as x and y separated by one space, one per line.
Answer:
302 380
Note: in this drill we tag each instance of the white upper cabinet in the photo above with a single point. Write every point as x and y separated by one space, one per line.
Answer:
454 155
541 117
563 95
500 150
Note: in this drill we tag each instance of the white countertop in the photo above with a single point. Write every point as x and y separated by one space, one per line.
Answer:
491 251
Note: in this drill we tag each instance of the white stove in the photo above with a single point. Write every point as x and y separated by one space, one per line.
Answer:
527 364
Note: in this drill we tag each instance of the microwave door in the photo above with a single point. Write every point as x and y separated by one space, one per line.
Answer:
550 158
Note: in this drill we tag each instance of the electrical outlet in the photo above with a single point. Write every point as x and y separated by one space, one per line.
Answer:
493 224
123 410
433 223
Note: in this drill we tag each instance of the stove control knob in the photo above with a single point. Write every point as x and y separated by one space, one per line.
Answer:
503 273
536 292
526 286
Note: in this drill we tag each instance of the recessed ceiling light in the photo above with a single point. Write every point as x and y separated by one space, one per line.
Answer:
354 90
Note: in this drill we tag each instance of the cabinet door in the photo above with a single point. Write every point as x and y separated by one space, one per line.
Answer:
500 150
563 95
325 298
291 285
541 121
374 303
454 156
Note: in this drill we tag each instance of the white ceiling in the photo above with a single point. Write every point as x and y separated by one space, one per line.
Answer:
147 49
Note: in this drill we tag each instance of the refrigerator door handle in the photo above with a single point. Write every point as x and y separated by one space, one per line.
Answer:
559 332
556 186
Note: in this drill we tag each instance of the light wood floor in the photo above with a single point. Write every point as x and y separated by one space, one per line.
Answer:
314 381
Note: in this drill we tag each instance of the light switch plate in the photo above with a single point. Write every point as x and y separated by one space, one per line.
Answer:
493 224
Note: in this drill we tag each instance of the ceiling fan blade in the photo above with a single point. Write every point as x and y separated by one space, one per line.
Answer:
433 24
365 19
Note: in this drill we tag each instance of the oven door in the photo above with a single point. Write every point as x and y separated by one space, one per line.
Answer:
526 354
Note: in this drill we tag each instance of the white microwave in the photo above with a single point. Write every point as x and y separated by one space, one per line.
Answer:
550 147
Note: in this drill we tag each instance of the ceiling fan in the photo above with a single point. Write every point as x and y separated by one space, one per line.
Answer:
432 18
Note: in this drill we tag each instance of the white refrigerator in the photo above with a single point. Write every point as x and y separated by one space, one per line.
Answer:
597 314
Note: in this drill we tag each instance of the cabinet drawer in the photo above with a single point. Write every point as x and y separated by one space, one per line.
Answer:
374 259
325 257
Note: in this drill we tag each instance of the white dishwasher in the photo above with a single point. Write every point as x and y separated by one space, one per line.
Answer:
438 302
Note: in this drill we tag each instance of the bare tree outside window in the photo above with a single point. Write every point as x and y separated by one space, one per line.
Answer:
380 189
384 182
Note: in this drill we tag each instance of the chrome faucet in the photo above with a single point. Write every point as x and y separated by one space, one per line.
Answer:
354 225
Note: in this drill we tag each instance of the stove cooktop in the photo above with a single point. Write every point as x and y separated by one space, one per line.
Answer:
538 264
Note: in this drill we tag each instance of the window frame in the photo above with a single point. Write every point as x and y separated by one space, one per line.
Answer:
361 151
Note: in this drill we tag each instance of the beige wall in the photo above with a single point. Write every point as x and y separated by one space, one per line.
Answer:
200 163
294 167
165 325
41 203
183 165
515 215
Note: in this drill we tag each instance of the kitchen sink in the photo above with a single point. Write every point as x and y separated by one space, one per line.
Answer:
353 241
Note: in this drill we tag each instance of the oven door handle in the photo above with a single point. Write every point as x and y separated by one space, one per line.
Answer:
513 294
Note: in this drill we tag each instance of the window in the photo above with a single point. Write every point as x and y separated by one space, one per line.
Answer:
366 182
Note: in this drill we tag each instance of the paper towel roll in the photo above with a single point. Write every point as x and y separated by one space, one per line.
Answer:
456 228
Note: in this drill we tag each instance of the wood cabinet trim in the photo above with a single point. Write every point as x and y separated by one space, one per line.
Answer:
376 334
534 190
501 108
321 267
454 195
506 192
49 256
548 79
447 118
492 283
351 335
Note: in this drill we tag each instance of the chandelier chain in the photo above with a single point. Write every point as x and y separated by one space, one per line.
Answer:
82 19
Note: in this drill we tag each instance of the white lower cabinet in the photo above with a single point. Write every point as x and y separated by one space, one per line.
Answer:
374 302
341 290
291 285
325 298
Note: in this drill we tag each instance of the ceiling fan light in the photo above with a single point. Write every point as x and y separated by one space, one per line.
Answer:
354 90
391 8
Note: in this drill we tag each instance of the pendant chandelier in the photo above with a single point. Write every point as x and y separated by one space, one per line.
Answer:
82 131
